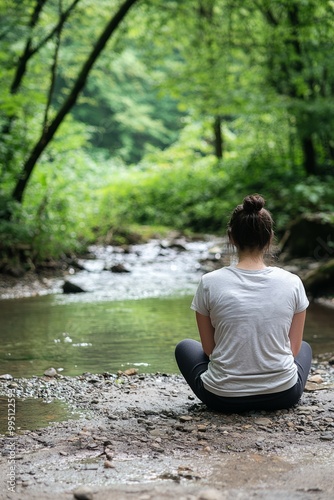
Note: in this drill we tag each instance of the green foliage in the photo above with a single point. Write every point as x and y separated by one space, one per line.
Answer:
309 195
62 194
187 188
124 110
52 221
180 198
140 145
201 199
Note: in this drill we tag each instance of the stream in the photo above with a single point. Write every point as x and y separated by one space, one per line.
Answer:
124 320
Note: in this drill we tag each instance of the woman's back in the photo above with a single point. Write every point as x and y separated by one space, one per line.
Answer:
250 319
251 312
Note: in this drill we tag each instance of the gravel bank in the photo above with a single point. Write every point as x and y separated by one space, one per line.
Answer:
30 285
147 437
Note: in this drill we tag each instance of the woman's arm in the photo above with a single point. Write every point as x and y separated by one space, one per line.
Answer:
206 333
296 332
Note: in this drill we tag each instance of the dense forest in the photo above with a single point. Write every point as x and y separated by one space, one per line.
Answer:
120 115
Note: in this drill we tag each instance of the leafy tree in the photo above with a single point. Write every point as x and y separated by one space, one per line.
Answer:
50 125
123 108
245 85
214 69
300 63
246 59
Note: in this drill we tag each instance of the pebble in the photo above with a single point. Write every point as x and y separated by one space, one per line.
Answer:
25 484
91 446
13 385
157 447
83 493
327 436
185 428
119 268
6 376
130 372
156 432
185 418
307 409
263 421
50 372
108 465
317 379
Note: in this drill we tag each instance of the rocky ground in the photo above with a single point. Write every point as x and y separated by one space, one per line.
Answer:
146 437
31 284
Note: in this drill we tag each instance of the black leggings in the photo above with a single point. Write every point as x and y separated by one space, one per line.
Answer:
192 362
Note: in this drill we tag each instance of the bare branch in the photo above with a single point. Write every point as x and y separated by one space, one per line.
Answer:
22 65
29 51
53 69
62 19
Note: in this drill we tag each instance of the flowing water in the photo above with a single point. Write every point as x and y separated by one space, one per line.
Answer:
124 320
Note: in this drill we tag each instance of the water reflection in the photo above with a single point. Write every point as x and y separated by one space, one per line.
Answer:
33 414
76 337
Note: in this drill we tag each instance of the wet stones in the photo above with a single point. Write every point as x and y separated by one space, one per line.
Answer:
69 287
51 372
83 493
119 268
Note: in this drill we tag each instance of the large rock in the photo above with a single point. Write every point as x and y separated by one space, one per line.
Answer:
320 281
310 235
69 287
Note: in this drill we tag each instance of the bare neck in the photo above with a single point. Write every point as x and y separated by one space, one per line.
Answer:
251 261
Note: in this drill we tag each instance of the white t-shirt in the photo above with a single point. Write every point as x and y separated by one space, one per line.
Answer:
251 312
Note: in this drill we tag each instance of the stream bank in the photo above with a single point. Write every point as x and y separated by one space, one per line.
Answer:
147 437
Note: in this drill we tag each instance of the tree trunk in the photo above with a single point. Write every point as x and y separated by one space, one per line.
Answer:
291 65
29 51
310 164
24 59
22 65
50 130
219 143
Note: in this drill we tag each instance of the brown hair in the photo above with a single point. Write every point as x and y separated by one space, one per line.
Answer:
251 225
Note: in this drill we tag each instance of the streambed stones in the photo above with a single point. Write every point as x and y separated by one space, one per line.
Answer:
51 372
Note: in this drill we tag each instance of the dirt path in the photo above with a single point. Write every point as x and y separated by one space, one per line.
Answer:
145 437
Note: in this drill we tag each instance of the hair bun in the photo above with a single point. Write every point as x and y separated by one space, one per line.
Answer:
253 203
